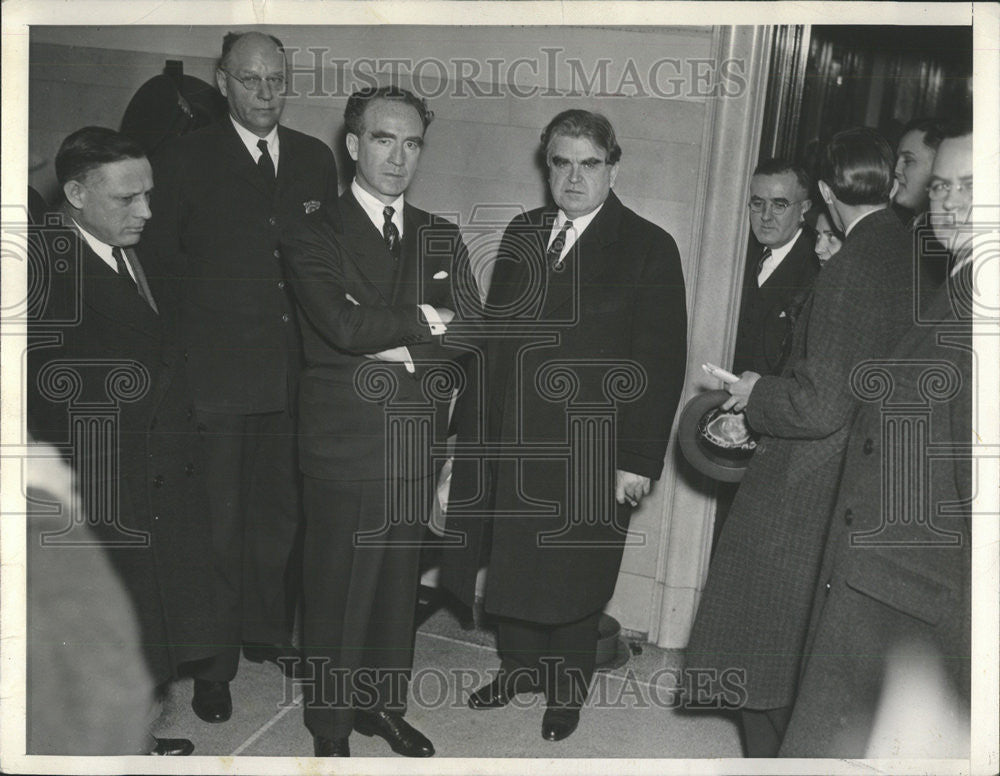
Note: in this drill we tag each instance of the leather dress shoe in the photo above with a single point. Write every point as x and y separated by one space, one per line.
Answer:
331 747
285 656
558 724
178 747
211 700
401 736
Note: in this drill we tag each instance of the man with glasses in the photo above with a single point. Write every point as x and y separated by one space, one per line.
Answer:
588 303
223 194
754 612
781 268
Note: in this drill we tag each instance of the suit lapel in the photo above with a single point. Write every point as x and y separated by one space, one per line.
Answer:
368 250
589 259
407 276
110 295
242 162
140 278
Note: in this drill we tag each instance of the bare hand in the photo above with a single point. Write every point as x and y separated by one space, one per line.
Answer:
740 391
630 487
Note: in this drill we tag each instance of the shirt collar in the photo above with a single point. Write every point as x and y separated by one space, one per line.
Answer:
250 141
101 248
778 254
854 223
373 207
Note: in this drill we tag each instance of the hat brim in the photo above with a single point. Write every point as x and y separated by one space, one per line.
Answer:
699 453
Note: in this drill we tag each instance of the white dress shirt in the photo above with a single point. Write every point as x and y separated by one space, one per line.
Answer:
573 233
777 256
250 141
104 250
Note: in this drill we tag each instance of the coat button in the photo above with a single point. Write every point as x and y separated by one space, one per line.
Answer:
826 587
272 220
156 517
158 481
281 284
185 355
277 253
189 469
284 317
868 446
848 516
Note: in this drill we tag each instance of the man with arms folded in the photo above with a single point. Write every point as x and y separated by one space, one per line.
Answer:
378 289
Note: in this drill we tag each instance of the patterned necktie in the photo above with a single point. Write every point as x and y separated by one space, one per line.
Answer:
553 254
760 264
265 163
390 232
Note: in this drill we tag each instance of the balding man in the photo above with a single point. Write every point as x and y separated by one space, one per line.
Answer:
222 196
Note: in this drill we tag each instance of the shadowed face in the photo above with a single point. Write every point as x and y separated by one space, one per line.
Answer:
777 205
257 106
388 148
112 201
913 171
579 175
952 171
827 241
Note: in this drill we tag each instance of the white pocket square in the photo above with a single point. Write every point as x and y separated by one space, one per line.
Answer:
782 314
440 275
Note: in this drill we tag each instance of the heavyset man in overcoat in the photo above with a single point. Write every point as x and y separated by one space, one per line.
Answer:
587 306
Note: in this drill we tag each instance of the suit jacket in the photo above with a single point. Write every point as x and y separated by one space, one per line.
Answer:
609 329
754 611
343 412
767 312
125 361
880 584
212 252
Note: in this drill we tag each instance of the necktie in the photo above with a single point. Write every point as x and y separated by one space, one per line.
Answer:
123 272
760 264
390 232
554 252
265 164
123 268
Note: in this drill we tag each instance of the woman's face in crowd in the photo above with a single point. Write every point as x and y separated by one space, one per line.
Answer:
827 242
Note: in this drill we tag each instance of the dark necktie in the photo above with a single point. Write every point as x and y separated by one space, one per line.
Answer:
390 232
760 264
123 268
555 250
265 163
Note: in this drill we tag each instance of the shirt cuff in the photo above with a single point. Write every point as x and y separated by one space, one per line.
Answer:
408 363
438 327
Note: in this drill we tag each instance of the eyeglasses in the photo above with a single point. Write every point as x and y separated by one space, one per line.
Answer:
252 83
778 206
940 189
589 166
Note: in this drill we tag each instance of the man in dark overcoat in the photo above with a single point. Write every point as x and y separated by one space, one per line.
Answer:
896 574
585 360
782 266
223 194
754 611
106 384
374 284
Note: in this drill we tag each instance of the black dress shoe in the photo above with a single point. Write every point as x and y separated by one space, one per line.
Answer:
401 736
211 700
286 657
558 724
178 747
331 747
